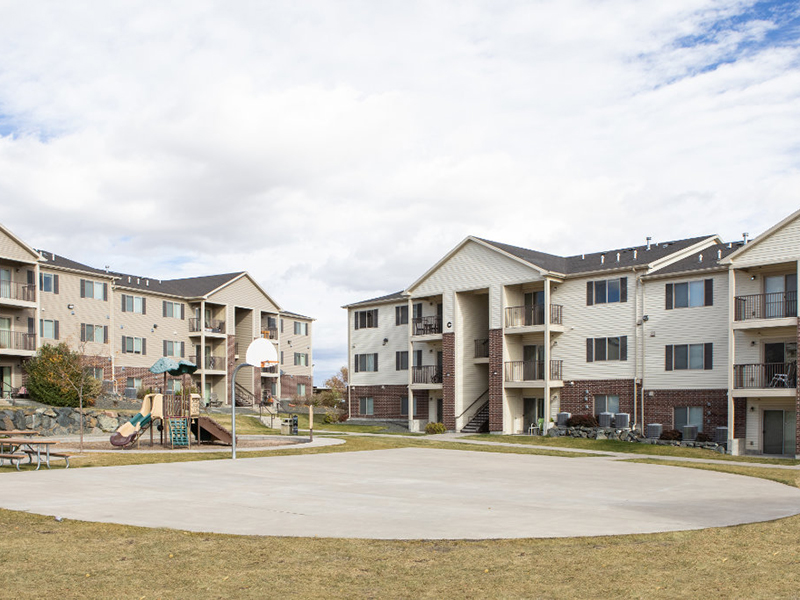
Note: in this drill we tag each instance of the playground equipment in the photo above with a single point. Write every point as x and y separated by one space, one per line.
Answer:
179 419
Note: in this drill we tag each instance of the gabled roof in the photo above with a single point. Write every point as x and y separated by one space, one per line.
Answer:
394 297
188 287
34 254
286 313
61 262
778 226
704 260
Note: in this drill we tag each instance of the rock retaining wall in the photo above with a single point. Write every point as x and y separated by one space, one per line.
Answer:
52 421
627 435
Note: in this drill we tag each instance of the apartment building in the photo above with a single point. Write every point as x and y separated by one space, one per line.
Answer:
685 332
123 323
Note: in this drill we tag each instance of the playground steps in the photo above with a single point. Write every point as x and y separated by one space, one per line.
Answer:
211 431
179 432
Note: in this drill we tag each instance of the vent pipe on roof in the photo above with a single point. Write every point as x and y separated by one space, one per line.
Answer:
147 282
138 280
649 239
583 256
635 252
745 235
700 258
719 254
129 278
602 259
730 244
617 256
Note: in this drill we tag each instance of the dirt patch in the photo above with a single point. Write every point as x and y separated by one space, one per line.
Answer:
157 447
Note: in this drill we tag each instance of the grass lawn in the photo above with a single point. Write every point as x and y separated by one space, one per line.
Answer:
627 447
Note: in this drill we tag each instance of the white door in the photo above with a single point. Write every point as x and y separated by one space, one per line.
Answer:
774 288
5 332
5 283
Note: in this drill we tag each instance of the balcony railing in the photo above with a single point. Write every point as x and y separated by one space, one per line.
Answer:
765 375
272 369
526 316
766 306
17 340
213 363
426 325
481 348
531 370
211 326
426 374
12 290
269 333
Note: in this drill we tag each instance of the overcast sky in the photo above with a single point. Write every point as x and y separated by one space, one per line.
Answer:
337 149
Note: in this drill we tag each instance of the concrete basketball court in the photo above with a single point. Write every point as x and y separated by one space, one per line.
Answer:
403 494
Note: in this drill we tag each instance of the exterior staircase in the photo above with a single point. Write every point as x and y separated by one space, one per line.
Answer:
244 397
479 422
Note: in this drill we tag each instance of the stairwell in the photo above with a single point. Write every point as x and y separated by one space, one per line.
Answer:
479 423
244 397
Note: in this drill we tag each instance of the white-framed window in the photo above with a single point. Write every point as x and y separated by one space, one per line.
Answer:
366 363
401 315
300 359
404 406
173 310
48 282
689 294
94 333
95 372
607 291
606 403
366 406
174 348
134 304
301 389
365 319
688 415
300 328
133 345
401 360
48 329
175 386
133 382
681 357
94 289
604 349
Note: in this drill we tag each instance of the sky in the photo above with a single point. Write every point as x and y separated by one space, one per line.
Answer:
337 149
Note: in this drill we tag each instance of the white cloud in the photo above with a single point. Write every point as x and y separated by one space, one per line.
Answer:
336 150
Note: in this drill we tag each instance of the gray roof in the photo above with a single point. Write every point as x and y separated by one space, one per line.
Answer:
54 260
189 287
396 296
286 313
709 260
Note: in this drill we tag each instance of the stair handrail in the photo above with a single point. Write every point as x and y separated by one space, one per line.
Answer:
479 398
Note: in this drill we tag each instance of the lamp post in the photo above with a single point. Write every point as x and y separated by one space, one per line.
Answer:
259 352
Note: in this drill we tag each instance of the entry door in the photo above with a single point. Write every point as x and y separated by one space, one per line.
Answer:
779 427
532 411
534 308
440 410
5 283
781 296
532 362
6 378
5 332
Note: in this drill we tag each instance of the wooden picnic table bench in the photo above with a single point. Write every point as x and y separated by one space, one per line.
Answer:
13 432
32 447
12 458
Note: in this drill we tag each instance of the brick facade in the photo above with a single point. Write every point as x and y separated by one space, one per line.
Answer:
575 400
289 385
660 408
449 380
495 380
797 401
387 401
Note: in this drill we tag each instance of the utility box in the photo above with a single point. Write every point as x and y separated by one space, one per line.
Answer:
604 419
562 418
721 435
622 421
689 433
654 431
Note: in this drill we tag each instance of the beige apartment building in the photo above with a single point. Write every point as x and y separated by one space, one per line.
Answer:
124 323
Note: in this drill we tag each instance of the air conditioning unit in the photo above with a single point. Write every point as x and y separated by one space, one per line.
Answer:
721 435
654 430
605 419
130 393
622 421
562 418
689 433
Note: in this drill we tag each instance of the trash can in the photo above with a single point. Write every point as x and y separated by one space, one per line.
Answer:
286 426
294 424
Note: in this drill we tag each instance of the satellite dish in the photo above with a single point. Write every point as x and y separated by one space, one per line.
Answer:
261 352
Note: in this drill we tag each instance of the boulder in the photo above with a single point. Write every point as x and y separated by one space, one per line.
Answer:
106 423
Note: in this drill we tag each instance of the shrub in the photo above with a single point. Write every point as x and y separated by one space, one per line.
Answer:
704 437
330 417
56 377
142 391
582 421
671 435
342 417
434 428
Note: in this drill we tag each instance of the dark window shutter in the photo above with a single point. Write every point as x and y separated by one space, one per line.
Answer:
356 322
708 359
83 288
123 296
183 313
105 292
376 362
355 365
55 284
668 358
31 325
124 347
105 334
55 329
709 295
163 308
183 349
623 347
144 306
144 346
31 277
600 352
589 293
623 289
41 328
396 361
165 347
83 332
668 295
589 349
41 281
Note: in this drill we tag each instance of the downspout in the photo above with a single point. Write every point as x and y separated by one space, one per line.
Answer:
349 368
547 354
410 330
644 353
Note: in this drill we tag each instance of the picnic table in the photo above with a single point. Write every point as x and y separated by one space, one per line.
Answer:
19 448
13 432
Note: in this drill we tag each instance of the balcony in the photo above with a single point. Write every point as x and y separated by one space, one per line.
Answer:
531 316
21 292
211 363
765 376
17 340
482 348
778 305
426 325
212 326
269 333
429 374
270 370
519 371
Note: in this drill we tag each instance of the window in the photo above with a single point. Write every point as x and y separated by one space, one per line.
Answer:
366 363
681 357
401 361
300 359
171 309
366 406
94 289
301 389
48 282
300 328
94 333
366 318
688 415
689 294
612 348
417 310
174 348
48 329
134 345
174 386
281 356
404 406
607 291
401 315
606 403
95 372
134 304
417 358
133 382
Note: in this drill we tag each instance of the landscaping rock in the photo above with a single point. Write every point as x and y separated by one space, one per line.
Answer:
107 423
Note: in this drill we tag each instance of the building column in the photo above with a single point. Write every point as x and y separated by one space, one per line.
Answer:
496 380
797 401
547 356
731 355
410 365
449 380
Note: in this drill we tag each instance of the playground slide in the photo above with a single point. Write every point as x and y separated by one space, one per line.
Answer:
210 431
127 433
